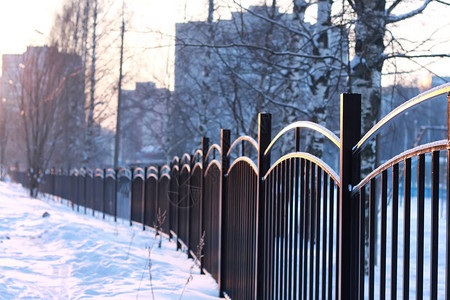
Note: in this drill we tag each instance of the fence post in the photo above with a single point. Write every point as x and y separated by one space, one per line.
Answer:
131 195
144 198
85 190
350 128
178 205
157 205
53 181
447 208
116 182
264 136
104 193
225 165
205 147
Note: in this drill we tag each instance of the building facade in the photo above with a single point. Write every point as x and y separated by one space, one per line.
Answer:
144 119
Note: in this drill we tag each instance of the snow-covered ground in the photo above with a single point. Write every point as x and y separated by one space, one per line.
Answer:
69 255
413 251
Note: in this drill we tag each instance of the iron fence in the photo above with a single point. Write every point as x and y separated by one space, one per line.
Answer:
292 229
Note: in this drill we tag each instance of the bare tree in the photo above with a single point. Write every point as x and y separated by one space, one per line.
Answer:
373 20
306 72
262 59
37 85
86 27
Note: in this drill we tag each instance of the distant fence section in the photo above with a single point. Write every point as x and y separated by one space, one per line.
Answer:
290 227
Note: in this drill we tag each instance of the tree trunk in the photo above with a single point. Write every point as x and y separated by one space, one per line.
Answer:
310 87
366 69
90 121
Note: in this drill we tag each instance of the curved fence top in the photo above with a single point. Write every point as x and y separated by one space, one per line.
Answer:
139 172
243 138
214 162
434 146
90 172
198 154
309 157
124 173
164 172
165 169
98 173
175 160
197 165
305 124
213 147
152 172
246 159
442 89
186 167
185 157
110 173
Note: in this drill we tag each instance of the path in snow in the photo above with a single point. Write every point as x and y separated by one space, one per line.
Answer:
69 255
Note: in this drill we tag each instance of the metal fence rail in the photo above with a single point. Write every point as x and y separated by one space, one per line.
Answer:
294 228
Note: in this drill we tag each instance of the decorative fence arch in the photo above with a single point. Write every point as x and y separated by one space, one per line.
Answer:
294 228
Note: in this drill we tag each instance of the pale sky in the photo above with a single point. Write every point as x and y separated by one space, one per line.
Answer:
27 22
21 20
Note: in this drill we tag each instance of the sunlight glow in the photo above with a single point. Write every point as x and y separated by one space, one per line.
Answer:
425 82
19 21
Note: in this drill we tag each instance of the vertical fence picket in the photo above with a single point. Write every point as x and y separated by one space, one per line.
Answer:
350 131
264 136
297 222
269 236
447 236
324 235
302 239
406 227
420 225
312 216
330 242
205 147
372 240
447 215
292 246
317 234
104 194
277 233
394 250
383 235
225 164
306 230
362 242
434 224
284 236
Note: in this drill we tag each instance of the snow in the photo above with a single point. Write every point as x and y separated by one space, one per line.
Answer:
69 255
413 249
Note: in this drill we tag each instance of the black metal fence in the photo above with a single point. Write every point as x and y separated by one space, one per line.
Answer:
294 229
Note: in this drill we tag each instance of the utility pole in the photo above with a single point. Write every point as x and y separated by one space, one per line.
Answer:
118 129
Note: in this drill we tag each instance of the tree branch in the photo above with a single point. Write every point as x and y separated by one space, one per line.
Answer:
292 30
401 55
442 2
391 8
255 47
352 4
393 19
